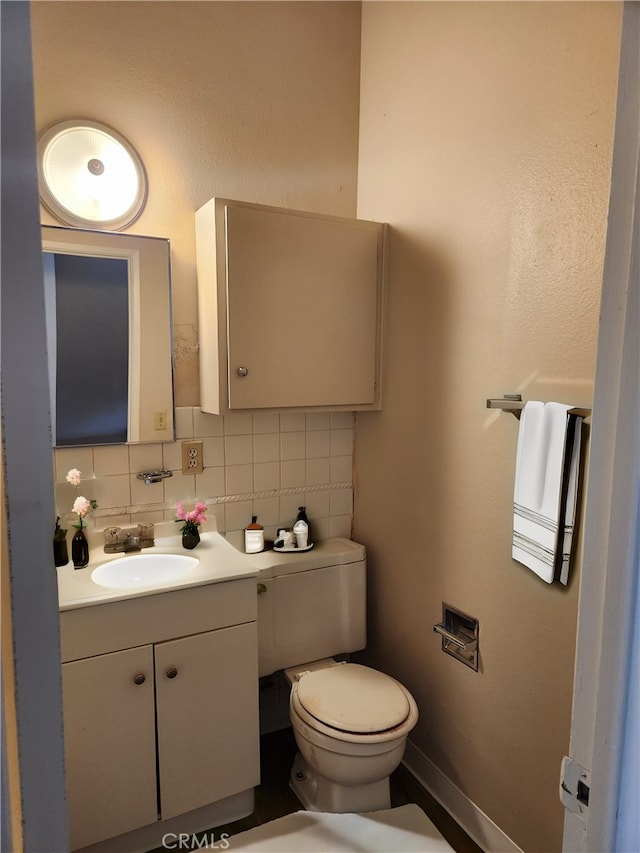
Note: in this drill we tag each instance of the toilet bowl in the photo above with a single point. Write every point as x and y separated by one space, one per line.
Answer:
350 723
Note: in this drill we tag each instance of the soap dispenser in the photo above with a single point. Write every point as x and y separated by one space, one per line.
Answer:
302 517
254 536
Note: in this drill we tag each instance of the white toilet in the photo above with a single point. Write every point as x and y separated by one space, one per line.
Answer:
350 721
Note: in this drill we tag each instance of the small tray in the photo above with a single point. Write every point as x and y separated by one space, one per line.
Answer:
291 548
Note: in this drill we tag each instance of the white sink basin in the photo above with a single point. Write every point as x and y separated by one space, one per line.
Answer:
141 570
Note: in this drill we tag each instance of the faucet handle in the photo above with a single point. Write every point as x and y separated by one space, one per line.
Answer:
146 534
111 535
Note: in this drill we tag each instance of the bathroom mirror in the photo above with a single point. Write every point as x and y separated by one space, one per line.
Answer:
108 310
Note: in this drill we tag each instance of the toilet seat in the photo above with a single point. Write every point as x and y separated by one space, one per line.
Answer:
352 699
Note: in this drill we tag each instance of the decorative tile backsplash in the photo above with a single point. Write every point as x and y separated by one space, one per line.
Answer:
265 464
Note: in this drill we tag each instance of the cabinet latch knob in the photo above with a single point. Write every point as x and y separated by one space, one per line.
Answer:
242 371
139 678
172 672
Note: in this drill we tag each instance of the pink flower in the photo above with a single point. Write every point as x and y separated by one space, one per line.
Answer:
81 506
192 518
73 477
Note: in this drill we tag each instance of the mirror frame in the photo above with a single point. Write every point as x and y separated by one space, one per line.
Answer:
151 392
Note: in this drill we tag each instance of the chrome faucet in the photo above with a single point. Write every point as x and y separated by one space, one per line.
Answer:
131 543
118 540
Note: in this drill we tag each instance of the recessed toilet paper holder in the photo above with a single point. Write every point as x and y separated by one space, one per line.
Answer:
459 634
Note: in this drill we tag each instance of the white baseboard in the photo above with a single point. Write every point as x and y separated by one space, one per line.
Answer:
473 820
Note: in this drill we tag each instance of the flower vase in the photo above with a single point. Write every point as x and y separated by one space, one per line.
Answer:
190 539
79 550
60 552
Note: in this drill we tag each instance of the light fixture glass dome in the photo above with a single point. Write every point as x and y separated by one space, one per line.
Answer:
90 175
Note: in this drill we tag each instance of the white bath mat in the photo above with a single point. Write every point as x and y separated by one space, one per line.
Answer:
405 829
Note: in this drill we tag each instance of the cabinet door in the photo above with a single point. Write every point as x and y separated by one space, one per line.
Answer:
110 750
299 304
207 717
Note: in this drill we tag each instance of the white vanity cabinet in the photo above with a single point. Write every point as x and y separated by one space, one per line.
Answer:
207 724
110 748
291 308
162 727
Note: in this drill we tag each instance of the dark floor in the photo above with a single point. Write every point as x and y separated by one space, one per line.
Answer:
275 799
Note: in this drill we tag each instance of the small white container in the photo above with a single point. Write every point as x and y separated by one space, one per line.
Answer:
301 531
287 538
254 537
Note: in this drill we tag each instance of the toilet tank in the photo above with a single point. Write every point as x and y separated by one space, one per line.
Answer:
311 605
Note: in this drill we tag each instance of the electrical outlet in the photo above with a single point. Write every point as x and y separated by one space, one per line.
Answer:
160 420
192 457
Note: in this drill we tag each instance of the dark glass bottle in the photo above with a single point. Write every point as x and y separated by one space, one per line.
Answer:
79 549
60 552
302 516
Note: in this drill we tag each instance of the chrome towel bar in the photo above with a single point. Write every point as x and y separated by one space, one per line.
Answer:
514 404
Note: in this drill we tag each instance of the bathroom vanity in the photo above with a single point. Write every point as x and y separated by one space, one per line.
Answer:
160 691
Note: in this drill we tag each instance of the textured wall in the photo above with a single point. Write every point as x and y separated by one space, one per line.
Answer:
254 101
485 140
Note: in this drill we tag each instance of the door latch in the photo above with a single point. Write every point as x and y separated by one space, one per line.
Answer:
575 784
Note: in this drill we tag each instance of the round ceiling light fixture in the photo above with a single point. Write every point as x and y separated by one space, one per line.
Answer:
90 176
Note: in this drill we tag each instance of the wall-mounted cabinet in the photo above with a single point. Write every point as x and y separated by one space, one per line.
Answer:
291 308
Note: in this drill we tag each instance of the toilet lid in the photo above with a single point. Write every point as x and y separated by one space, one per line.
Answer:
353 698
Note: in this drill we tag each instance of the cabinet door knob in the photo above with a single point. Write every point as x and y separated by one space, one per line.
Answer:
242 371
139 678
172 672
261 588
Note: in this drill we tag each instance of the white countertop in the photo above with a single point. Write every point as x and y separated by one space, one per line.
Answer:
220 559
328 552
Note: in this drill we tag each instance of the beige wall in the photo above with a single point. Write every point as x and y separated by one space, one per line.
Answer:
485 140
254 101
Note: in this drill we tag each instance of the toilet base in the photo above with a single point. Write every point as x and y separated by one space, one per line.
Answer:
318 794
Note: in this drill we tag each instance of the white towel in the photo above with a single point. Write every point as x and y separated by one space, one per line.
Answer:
574 435
546 487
